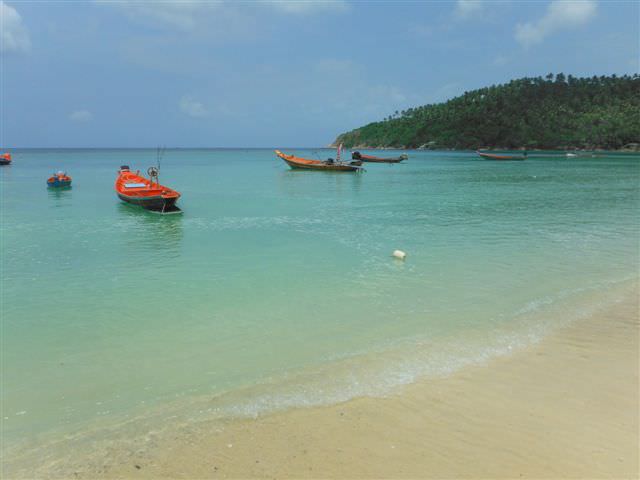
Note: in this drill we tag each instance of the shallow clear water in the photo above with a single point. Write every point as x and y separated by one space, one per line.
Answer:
276 288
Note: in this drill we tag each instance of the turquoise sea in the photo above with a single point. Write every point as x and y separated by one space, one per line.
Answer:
277 289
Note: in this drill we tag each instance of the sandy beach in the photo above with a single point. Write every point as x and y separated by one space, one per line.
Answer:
233 247
564 408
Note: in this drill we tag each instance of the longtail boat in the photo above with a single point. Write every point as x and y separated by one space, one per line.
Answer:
491 156
59 180
148 193
371 158
5 159
326 165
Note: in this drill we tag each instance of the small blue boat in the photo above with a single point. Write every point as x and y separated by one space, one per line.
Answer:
59 180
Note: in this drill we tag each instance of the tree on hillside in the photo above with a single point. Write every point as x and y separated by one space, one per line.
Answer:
551 112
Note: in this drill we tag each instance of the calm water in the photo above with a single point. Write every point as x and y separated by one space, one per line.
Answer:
276 288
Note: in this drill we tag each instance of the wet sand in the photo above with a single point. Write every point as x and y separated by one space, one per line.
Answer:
564 408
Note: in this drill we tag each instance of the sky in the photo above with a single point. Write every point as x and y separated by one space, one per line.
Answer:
277 73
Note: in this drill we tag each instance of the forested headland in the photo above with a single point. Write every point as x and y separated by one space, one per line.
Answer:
554 112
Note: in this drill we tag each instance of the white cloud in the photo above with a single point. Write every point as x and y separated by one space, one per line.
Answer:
500 61
445 92
561 14
420 30
340 88
178 14
192 107
332 66
188 15
308 6
392 94
14 36
81 116
468 8
354 86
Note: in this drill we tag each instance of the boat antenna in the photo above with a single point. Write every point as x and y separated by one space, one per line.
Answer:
159 155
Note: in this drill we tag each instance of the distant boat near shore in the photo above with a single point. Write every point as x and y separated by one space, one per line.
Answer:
370 158
491 156
326 165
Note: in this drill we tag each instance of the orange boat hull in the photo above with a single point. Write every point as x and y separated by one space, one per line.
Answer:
306 164
138 190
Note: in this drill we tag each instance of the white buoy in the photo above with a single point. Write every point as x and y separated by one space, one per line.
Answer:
399 254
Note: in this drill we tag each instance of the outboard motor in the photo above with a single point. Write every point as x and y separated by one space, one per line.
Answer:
356 156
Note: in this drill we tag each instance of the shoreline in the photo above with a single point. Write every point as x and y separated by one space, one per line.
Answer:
326 147
564 407
490 149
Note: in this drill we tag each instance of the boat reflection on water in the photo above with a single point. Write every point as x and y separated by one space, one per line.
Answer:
60 197
148 231
60 192
296 183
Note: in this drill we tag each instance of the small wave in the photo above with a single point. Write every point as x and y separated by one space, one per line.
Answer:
373 373
247 223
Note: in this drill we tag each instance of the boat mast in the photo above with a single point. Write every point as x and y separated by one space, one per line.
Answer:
159 154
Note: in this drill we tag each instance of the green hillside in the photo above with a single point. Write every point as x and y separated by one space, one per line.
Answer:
554 112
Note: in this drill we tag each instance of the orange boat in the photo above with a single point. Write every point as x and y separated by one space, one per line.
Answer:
147 193
490 156
326 165
371 158
5 159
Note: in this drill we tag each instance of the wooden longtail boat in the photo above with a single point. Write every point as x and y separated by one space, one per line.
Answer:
491 156
371 158
5 159
326 165
59 180
149 194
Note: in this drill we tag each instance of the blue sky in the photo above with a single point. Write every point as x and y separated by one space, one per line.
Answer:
277 73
